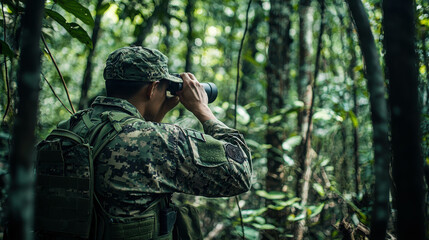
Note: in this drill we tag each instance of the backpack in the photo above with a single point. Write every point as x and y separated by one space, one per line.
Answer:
65 173
66 205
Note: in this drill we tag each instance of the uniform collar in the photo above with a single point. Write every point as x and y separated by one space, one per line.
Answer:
118 103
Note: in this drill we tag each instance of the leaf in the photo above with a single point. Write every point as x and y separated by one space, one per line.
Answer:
294 218
264 226
103 9
325 114
243 117
260 220
353 118
79 11
288 202
277 208
5 49
274 195
275 119
282 204
424 22
319 189
317 210
254 212
291 142
73 29
248 219
288 160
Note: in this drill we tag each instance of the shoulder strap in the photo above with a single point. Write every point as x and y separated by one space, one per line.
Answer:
101 136
60 132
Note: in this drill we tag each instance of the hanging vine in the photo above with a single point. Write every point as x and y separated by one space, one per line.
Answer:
59 73
5 65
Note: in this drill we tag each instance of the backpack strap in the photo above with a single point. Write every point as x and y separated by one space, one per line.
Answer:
103 133
87 121
60 132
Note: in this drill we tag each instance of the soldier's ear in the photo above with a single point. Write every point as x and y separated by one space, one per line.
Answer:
151 89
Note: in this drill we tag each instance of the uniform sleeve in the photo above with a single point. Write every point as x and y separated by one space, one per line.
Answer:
215 163
147 158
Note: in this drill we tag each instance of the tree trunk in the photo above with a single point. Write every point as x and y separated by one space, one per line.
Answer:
146 27
352 76
247 91
307 154
401 62
189 12
304 83
379 116
426 64
22 153
305 75
166 40
305 93
276 70
87 75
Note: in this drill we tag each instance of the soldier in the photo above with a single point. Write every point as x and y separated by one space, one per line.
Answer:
149 160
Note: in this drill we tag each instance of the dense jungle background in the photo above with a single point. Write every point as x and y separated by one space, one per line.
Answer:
332 98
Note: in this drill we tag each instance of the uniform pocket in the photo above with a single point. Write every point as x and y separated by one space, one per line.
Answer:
207 151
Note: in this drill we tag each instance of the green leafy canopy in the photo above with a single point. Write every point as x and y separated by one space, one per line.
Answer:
74 29
77 10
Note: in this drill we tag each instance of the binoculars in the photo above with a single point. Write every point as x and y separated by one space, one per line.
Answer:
210 88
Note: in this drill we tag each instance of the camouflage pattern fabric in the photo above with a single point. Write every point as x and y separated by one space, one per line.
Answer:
147 159
138 64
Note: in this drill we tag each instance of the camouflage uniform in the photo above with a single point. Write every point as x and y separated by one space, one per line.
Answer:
147 159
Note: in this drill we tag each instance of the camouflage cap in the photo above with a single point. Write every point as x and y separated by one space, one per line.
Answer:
138 64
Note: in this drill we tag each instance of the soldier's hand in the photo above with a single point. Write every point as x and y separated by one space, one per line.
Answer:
194 97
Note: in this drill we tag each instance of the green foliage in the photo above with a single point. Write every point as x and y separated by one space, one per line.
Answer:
5 49
79 11
271 195
74 29
103 8
217 29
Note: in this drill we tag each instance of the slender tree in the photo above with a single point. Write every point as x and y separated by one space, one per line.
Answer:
306 156
379 116
189 12
146 27
401 62
351 73
305 91
248 67
21 160
87 75
276 70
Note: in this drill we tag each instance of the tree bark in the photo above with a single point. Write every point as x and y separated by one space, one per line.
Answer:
166 41
276 70
307 154
352 76
401 62
146 27
304 85
22 153
247 91
379 116
426 64
189 12
87 75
